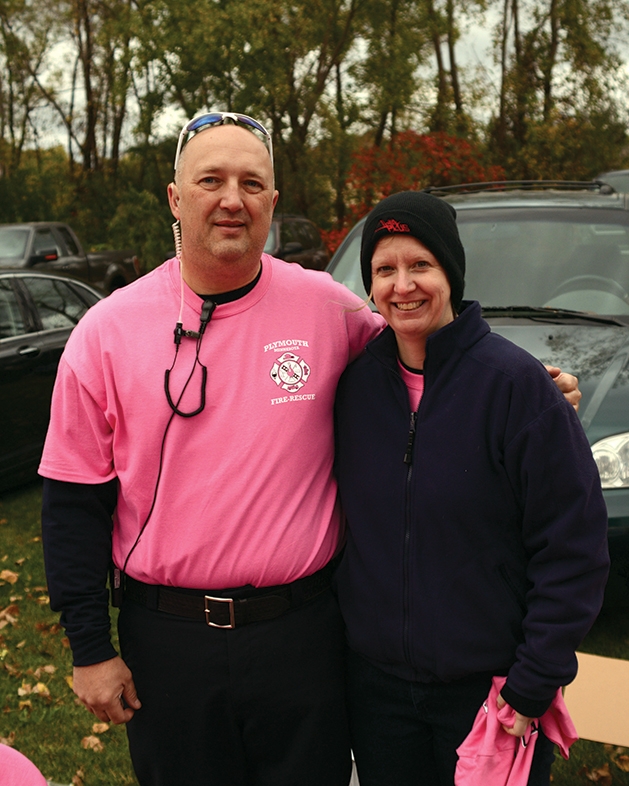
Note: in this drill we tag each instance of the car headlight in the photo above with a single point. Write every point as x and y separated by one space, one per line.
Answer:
612 459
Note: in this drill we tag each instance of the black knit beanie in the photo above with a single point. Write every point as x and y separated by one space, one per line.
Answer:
427 218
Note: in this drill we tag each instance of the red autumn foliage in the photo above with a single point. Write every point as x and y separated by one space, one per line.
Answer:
413 162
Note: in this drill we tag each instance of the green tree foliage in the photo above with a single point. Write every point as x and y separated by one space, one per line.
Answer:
338 82
26 34
559 70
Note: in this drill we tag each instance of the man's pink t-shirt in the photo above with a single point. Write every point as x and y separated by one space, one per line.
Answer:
246 494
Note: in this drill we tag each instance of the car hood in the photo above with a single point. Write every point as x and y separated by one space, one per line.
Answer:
596 354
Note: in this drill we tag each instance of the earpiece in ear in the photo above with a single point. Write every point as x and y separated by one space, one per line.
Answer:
176 227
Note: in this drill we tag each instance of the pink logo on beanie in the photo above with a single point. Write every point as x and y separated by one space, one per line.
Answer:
391 225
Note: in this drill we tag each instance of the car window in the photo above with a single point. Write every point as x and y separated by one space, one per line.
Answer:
68 240
44 241
313 233
11 322
12 244
288 233
305 236
572 259
58 304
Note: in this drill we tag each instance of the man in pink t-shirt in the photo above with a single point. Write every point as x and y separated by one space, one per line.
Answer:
191 442
192 438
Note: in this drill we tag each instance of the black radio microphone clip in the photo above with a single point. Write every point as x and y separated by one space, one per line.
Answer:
206 314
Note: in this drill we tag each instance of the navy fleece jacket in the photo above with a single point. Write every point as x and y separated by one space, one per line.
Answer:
486 549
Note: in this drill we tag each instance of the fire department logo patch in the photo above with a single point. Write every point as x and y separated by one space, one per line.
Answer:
290 372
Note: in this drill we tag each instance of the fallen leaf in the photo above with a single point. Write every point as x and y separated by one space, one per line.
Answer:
21 644
9 575
36 539
65 642
41 689
48 628
9 615
47 669
8 740
100 728
622 762
4 521
70 681
20 561
92 743
43 600
13 598
600 775
77 779
26 704
25 690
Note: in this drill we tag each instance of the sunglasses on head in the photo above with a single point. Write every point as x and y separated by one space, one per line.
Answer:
218 119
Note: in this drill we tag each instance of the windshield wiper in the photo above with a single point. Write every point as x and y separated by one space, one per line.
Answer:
547 314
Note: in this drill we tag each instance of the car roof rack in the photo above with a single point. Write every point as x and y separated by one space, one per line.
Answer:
523 185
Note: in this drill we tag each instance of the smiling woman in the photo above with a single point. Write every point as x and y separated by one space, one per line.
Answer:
462 562
412 292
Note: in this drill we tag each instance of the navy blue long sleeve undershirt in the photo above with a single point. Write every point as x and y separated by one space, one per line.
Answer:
77 537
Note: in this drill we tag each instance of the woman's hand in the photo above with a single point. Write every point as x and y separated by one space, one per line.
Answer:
521 721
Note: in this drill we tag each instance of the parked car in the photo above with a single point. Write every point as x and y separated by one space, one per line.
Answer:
296 239
53 247
549 264
37 314
618 179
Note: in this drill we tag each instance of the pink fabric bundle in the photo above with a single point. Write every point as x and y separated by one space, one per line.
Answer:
490 755
17 770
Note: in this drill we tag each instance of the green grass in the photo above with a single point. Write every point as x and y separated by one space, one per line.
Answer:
40 716
38 711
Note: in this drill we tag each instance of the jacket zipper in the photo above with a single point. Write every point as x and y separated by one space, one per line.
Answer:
408 460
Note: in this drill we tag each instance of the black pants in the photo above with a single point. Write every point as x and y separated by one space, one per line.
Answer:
261 705
406 733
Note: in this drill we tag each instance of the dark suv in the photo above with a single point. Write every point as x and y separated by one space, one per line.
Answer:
296 239
549 263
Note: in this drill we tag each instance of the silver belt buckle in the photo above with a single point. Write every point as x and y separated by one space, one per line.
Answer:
232 618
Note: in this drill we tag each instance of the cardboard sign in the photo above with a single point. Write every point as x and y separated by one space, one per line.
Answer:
598 699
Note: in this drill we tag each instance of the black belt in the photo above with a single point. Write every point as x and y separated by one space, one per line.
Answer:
220 609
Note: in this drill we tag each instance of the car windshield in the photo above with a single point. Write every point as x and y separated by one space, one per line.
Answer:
271 240
12 244
576 259
558 258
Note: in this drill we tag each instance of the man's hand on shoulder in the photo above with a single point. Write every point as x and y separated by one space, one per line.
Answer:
567 384
107 690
